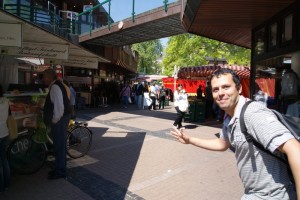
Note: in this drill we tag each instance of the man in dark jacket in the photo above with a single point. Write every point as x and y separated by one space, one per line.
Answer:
57 116
139 94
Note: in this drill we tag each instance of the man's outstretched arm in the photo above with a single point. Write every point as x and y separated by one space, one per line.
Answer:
217 144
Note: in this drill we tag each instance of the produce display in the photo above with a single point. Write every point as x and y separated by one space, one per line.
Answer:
25 109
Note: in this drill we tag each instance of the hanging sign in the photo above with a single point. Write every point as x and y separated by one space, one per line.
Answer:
38 50
87 7
84 62
10 34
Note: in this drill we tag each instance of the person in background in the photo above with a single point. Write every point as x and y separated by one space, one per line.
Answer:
260 96
72 98
103 97
57 116
162 97
208 101
146 87
199 92
4 166
125 94
180 100
153 96
139 94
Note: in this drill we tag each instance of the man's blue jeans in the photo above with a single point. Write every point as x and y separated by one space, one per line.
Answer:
125 101
139 101
4 166
59 132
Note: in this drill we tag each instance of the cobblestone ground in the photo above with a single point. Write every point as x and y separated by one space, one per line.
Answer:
134 157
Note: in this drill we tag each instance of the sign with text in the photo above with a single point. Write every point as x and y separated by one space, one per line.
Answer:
77 79
84 62
38 50
87 7
10 35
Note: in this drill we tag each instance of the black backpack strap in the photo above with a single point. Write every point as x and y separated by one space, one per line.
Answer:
249 138
242 122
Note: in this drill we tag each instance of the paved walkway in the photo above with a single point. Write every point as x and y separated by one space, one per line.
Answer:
134 157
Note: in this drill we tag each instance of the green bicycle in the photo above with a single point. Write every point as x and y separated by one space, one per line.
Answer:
27 156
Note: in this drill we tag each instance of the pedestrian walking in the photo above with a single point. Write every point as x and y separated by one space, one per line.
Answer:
139 94
153 96
125 95
57 116
208 101
263 176
199 92
4 166
181 105
72 98
162 97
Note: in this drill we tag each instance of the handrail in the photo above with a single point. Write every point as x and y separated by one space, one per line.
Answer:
75 25
133 13
92 9
166 5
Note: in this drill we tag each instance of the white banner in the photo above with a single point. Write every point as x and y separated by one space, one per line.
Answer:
38 50
10 35
84 62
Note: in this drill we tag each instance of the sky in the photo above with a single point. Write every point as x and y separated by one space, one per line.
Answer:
122 9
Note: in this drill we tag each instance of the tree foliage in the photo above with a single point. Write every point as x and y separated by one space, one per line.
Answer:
149 53
192 50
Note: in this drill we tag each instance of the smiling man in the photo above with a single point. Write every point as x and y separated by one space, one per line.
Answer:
263 176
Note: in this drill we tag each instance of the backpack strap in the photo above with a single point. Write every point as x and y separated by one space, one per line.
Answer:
250 139
242 122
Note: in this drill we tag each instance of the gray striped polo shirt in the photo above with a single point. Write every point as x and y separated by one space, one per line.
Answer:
263 176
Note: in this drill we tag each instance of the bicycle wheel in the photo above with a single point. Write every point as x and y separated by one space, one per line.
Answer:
25 156
79 141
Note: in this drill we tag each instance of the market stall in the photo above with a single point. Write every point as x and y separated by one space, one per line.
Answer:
193 77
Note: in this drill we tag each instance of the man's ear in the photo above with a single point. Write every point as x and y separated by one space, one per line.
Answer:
240 89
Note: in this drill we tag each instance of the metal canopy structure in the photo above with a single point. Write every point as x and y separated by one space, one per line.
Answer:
229 21
34 34
151 25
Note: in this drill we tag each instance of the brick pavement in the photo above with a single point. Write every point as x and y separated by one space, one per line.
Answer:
134 157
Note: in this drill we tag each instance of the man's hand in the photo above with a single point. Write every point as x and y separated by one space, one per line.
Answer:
180 136
217 144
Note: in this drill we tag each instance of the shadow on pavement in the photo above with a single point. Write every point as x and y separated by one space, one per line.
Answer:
117 154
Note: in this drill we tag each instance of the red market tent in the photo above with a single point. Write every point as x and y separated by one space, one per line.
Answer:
196 76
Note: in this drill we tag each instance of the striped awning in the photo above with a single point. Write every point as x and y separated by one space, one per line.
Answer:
206 71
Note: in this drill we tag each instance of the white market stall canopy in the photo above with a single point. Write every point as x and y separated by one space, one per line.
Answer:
39 43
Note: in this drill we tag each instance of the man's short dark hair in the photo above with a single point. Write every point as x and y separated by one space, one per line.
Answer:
51 73
223 71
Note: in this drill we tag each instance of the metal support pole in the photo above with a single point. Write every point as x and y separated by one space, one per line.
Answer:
109 3
90 22
133 13
252 67
166 5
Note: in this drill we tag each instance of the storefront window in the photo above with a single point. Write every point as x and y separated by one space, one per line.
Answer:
9 2
273 35
260 41
287 28
25 2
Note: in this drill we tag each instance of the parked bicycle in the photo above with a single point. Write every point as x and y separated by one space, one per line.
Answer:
27 156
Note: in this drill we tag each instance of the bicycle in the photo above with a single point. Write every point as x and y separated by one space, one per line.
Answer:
27 156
